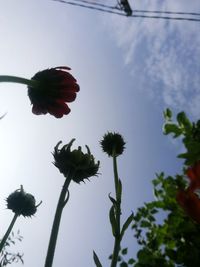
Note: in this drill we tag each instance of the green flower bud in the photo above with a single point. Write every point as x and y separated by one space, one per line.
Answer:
113 144
22 203
81 166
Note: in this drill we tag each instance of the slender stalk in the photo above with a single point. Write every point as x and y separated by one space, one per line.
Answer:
116 248
115 252
3 241
15 79
115 173
56 223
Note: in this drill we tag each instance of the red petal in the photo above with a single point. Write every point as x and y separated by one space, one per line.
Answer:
58 109
194 175
67 96
190 202
37 110
190 173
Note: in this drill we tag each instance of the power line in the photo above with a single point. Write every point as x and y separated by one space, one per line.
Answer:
141 11
168 12
95 4
111 9
90 7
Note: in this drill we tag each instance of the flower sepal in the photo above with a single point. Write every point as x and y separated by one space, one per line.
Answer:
75 163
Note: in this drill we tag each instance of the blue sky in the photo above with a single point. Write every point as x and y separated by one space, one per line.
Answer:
128 70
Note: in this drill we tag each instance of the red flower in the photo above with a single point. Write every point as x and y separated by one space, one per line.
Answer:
55 87
194 175
190 202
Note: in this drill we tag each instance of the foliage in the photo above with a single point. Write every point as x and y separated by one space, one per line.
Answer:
7 257
168 237
175 241
190 133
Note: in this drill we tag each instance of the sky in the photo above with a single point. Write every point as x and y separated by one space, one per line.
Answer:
129 70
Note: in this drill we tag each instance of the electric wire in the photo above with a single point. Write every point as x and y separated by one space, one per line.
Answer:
110 9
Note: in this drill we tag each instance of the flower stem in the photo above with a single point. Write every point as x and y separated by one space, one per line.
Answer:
116 248
15 79
56 223
115 174
3 241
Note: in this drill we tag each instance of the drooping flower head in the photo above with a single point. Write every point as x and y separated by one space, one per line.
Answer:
194 175
76 163
55 88
113 144
22 203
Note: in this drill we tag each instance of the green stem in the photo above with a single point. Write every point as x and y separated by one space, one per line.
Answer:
56 223
115 174
3 241
15 79
115 252
116 248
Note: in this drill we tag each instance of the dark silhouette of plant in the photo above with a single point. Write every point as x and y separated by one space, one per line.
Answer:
8 257
113 145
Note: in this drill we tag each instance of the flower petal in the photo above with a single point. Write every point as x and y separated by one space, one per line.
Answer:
56 87
190 202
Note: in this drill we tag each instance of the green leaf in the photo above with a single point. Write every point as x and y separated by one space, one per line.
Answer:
172 128
131 261
112 200
145 224
167 114
96 260
124 251
113 221
123 264
184 121
144 256
126 224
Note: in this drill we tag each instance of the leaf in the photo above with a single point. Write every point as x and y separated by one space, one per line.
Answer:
172 128
124 251
144 256
113 221
126 224
112 200
131 261
145 224
96 260
167 114
123 264
184 121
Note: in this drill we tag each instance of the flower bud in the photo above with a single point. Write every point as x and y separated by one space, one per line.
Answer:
22 203
75 163
113 144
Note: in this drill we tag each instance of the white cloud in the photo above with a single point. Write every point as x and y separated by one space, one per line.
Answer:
164 55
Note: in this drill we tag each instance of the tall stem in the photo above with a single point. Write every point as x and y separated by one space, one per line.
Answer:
116 248
56 223
3 241
115 174
15 79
